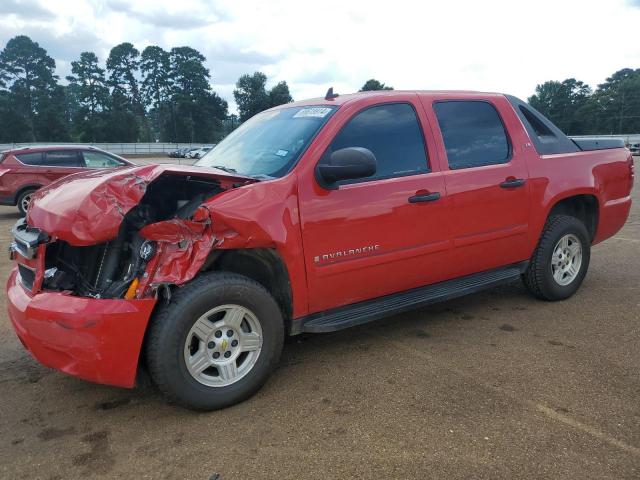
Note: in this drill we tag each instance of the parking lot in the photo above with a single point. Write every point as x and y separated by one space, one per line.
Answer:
494 385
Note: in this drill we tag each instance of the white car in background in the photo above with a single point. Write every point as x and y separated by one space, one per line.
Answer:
199 153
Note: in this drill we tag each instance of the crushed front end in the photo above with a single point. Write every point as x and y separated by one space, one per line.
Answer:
92 258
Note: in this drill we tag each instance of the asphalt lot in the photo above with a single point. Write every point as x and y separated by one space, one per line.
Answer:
494 385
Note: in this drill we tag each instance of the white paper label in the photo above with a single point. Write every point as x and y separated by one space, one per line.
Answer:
319 112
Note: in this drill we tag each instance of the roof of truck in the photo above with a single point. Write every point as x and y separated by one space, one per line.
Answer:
349 97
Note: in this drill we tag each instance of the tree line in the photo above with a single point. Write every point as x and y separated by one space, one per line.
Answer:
612 108
153 95
138 97
160 95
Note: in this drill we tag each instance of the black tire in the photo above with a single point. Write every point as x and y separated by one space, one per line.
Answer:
538 277
172 322
21 198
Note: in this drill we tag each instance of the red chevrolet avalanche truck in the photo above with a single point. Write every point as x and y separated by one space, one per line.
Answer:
311 217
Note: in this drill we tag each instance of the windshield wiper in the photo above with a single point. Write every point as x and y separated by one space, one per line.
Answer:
225 169
233 170
261 176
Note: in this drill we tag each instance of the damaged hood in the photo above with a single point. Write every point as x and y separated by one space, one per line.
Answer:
88 208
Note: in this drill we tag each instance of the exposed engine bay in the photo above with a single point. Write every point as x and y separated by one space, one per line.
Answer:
112 269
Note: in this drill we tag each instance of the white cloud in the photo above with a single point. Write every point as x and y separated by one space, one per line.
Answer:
490 45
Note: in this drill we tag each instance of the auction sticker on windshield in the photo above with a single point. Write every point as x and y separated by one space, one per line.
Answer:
319 112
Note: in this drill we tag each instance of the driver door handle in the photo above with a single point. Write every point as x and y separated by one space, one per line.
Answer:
512 183
425 197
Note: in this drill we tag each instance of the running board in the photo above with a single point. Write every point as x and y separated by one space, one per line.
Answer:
370 310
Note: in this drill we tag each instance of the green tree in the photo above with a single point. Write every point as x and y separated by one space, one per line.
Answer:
252 97
52 122
28 72
14 126
229 124
189 76
119 122
617 102
192 112
279 94
373 84
72 102
614 107
561 102
125 101
208 118
89 81
122 65
155 68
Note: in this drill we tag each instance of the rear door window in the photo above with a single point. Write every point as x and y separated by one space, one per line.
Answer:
62 158
473 134
30 158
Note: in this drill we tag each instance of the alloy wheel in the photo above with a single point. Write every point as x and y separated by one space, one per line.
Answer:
223 345
566 259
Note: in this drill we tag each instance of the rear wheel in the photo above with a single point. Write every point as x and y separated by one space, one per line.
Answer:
216 342
560 262
24 199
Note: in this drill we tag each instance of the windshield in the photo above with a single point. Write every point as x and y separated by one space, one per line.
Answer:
269 144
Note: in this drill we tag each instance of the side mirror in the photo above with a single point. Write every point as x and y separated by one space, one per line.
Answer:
346 164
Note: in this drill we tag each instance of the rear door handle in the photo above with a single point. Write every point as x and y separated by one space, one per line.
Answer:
425 197
512 183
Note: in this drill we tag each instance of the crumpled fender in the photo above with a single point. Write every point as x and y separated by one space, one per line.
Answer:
183 247
88 208
258 217
263 215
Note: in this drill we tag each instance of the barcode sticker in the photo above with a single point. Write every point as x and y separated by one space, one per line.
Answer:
319 112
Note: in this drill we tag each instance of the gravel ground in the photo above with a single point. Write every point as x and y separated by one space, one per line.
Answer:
494 385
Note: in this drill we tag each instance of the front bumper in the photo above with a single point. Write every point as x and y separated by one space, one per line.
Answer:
94 339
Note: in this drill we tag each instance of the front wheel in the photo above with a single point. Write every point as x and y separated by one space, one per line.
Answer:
560 262
216 342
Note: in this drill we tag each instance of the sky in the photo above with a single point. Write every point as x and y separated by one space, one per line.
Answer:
488 45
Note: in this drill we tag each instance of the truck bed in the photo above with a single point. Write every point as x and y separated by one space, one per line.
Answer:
588 144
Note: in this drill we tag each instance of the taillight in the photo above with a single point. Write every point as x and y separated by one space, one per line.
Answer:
632 173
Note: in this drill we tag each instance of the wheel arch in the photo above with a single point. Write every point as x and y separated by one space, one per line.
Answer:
265 266
583 206
24 188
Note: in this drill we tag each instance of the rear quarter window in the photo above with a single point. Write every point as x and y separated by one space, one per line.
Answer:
34 158
546 137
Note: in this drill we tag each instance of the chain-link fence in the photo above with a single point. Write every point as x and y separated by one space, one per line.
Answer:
628 138
159 149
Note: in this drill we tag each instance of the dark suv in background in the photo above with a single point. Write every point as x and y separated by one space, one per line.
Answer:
25 170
